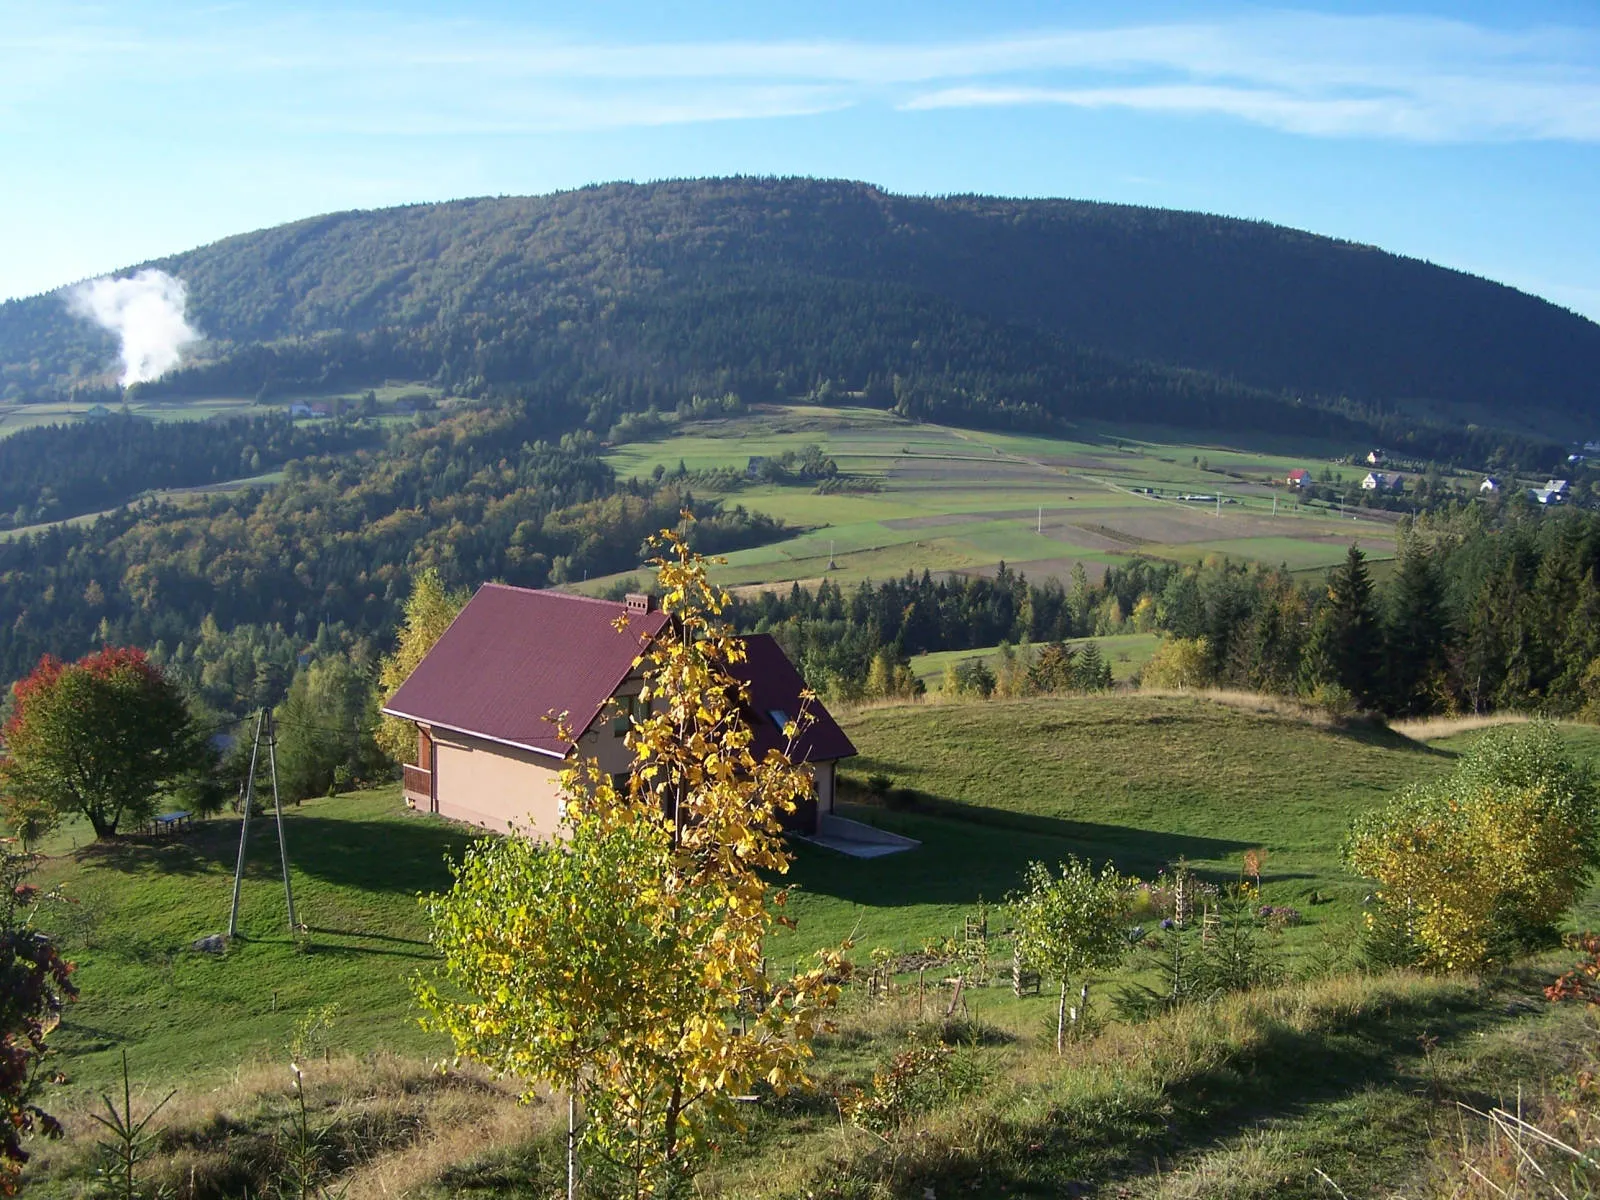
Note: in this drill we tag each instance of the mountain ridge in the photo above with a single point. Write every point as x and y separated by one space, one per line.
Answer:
1258 307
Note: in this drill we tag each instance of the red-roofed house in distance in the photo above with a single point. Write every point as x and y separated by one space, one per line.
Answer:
481 699
1299 478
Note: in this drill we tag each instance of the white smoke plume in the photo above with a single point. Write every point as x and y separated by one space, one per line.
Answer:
146 313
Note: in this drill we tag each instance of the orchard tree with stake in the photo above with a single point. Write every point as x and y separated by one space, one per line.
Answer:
1069 925
108 736
622 963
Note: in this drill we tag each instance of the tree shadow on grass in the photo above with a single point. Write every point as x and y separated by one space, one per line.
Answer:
394 856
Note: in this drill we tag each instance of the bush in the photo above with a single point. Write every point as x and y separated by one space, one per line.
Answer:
1484 863
1178 663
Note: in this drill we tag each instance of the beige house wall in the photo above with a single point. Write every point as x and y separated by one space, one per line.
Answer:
496 786
823 774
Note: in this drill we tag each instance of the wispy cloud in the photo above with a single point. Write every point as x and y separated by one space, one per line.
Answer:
1318 75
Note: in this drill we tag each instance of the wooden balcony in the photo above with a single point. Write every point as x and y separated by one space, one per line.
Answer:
418 787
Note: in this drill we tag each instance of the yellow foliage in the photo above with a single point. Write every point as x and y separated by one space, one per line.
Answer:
1178 663
625 963
1488 857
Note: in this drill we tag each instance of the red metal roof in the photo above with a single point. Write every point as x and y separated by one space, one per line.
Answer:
775 686
514 656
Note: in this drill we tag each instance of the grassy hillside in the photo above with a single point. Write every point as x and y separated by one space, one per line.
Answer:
1140 780
1134 779
1347 1075
842 281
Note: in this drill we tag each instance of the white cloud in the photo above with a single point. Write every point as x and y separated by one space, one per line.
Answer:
1319 75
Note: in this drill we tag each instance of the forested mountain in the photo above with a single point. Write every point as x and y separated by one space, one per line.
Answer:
1005 311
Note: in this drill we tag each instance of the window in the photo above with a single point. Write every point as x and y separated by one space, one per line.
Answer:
779 717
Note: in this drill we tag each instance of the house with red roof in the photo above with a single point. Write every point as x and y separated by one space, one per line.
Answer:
485 698
1299 478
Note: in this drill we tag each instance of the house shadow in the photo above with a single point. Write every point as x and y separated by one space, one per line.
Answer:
962 860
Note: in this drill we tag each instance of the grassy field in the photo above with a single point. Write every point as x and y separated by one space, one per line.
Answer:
220 488
1126 653
16 417
358 863
963 501
1139 780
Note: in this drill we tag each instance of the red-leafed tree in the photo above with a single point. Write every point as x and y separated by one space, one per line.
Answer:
107 736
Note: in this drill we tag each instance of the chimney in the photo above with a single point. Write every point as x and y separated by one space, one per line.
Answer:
640 602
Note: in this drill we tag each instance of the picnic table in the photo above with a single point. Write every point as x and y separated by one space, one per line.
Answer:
171 823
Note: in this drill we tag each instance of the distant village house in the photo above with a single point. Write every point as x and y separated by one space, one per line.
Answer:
1375 458
482 699
1489 485
1299 478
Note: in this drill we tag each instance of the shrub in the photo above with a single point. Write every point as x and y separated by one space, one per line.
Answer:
1178 663
1486 861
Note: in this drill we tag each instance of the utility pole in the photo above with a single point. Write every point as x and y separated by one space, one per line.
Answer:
277 808
1040 528
264 724
244 825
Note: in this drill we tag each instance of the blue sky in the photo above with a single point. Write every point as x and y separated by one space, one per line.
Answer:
1467 133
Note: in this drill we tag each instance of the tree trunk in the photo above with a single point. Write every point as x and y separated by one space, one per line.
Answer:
1061 1020
572 1144
103 828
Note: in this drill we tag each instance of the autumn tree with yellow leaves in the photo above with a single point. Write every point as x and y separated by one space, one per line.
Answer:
622 963
1485 862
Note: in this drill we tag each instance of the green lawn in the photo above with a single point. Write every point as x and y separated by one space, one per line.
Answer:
358 863
16 417
1140 780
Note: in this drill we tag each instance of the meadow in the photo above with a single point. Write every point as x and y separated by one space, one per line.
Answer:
1140 780
959 500
1124 652
16 417
1135 779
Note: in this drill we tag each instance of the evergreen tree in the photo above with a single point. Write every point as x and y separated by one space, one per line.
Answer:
1091 673
1415 637
1346 637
